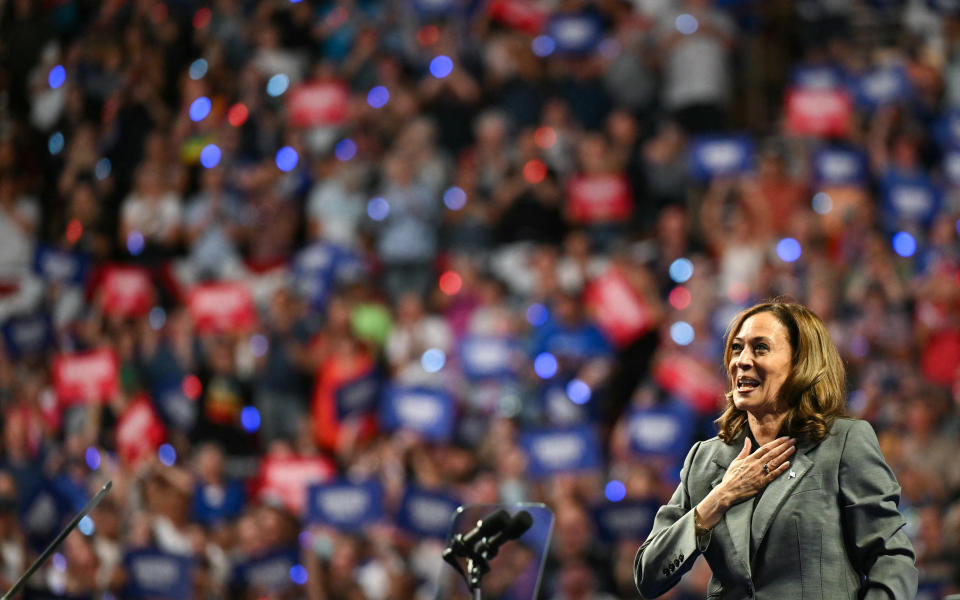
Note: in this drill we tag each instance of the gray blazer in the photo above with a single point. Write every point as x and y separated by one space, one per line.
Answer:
828 528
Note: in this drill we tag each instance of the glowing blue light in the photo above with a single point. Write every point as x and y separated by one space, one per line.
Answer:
904 244
198 69
57 76
441 66
681 333
103 168
250 419
135 243
157 318
543 46
681 270
822 203
59 562
55 145
537 314
378 97
298 574
277 85
545 365
86 525
167 455
200 109
687 24
93 458
455 198
789 250
578 391
378 208
287 159
259 344
210 156
615 491
345 149
433 360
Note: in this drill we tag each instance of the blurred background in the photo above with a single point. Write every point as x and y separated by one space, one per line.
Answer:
303 277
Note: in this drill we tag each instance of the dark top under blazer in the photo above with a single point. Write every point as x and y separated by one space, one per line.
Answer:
828 528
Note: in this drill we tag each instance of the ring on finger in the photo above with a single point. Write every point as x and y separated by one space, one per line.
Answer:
766 469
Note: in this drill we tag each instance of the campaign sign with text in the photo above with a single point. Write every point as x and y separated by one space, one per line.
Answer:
426 514
575 33
818 112
359 396
882 86
721 156
661 430
139 431
344 505
314 271
565 450
619 311
269 573
221 307
908 200
42 513
685 377
287 478
428 412
318 103
56 265
817 77
490 357
839 166
127 291
86 377
28 335
155 574
625 520
602 198
526 15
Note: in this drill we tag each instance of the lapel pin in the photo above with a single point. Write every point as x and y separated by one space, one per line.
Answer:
793 474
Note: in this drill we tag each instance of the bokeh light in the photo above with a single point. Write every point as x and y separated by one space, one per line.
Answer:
201 18
192 388
615 491
450 283
682 333
679 297
537 314
298 574
59 562
578 391
454 198
259 345
277 85
86 526
534 171
250 419
543 46
135 243
345 150
681 270
102 169
238 114
210 156
441 66
157 318
904 244
287 159
378 208
57 76
433 360
789 249
378 97
56 143
545 137
74 231
198 69
167 455
545 365
200 109
687 24
92 457
822 203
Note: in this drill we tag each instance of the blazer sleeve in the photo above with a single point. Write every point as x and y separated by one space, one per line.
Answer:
873 526
672 546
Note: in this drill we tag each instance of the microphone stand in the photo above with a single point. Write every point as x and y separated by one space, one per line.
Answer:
57 541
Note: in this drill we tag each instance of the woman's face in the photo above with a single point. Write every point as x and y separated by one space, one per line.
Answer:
760 362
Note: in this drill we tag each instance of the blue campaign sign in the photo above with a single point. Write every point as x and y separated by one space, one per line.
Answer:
720 156
817 77
28 335
490 357
436 8
55 265
575 34
427 411
154 574
625 520
314 270
426 514
664 430
42 513
908 199
839 165
268 573
358 396
561 450
560 410
345 505
882 86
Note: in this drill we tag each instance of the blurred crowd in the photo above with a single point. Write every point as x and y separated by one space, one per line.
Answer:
443 252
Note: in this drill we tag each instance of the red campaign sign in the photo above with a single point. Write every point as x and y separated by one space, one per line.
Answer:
823 112
314 104
127 291
599 199
524 15
219 307
86 378
287 478
618 309
683 376
139 431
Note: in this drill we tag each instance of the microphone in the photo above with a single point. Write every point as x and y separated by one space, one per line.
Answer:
466 544
518 525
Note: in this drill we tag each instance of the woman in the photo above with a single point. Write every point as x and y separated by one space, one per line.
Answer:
791 500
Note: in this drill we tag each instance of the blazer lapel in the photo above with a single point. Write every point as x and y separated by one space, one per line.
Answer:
777 492
737 518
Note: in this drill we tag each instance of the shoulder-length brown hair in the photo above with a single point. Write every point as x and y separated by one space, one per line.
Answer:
815 389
